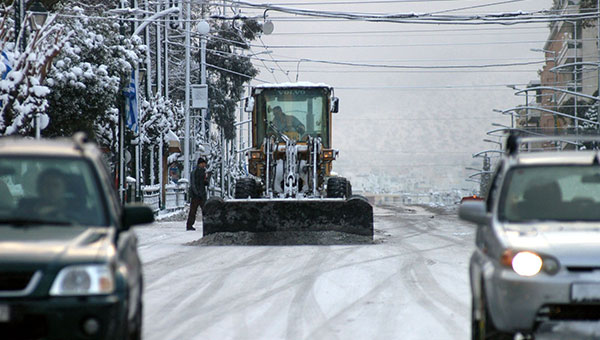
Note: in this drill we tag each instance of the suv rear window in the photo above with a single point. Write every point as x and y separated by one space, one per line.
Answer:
50 189
560 193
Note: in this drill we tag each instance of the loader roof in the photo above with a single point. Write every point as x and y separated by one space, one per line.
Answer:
303 84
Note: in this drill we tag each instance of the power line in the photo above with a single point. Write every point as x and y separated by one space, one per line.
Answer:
476 6
355 2
428 18
503 30
416 45
414 66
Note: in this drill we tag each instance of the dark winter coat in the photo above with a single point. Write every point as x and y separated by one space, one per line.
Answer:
198 183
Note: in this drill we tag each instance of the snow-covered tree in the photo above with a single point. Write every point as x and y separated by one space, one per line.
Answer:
22 90
90 74
158 116
227 69
230 69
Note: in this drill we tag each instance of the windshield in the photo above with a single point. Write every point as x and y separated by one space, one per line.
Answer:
296 113
556 193
49 190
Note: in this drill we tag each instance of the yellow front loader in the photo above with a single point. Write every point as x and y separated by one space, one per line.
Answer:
290 187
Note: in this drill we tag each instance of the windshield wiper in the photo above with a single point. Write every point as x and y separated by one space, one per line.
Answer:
23 222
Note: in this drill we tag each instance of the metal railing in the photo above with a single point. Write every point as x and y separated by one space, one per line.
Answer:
151 197
175 197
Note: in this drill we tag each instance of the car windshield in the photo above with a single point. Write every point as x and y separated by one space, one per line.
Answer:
296 113
554 193
60 191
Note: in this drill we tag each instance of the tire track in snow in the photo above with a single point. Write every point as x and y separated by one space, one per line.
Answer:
182 300
304 307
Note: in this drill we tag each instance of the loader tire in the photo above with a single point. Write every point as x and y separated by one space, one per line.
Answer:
245 188
337 187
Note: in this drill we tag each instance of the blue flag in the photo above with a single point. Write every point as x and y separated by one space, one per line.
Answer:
131 107
7 68
7 65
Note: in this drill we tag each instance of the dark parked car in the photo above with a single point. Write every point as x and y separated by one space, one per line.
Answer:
69 267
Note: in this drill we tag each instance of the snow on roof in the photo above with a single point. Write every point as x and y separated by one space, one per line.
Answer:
171 136
287 85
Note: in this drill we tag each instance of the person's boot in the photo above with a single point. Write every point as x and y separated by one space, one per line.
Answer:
190 228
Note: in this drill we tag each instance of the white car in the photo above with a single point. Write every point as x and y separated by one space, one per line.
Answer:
537 257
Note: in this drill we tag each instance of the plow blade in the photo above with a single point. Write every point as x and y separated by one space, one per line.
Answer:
352 216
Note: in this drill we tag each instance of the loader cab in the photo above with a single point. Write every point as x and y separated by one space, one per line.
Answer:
297 112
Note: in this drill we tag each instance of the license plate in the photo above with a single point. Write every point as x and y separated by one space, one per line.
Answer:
585 291
4 313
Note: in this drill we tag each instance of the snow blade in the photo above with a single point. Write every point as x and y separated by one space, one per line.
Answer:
352 216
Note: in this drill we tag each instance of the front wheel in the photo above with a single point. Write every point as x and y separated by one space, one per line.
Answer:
245 188
136 334
337 187
484 329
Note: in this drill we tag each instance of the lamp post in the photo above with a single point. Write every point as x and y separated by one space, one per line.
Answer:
554 96
203 28
38 16
486 170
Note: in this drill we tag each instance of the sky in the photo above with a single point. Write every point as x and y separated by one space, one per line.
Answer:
413 129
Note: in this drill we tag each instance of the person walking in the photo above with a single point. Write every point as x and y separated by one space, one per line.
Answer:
198 184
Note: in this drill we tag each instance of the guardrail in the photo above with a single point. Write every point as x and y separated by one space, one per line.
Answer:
151 197
174 196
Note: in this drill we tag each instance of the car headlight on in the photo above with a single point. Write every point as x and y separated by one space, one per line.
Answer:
526 263
93 279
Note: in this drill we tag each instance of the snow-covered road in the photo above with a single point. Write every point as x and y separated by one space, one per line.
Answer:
411 284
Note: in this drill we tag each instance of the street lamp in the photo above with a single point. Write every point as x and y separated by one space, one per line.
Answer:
258 53
39 14
493 141
514 109
484 152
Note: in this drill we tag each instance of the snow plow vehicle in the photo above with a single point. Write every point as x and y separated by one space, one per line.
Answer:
291 187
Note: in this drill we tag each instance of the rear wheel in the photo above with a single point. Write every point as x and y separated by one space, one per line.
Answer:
337 187
245 188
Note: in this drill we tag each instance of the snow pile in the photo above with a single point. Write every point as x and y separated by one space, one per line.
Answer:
177 215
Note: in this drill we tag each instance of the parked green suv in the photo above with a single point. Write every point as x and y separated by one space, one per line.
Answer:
69 268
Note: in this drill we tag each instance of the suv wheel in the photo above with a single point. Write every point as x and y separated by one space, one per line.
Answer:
136 334
484 328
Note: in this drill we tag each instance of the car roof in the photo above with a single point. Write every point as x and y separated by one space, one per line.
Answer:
584 157
44 147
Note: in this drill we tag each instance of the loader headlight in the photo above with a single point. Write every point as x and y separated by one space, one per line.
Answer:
93 279
255 155
329 155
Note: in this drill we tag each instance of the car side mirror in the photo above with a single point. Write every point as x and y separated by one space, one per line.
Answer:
473 211
335 104
134 214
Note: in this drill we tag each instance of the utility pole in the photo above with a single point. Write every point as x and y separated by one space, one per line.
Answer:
158 51
121 106
598 68
186 146
485 176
